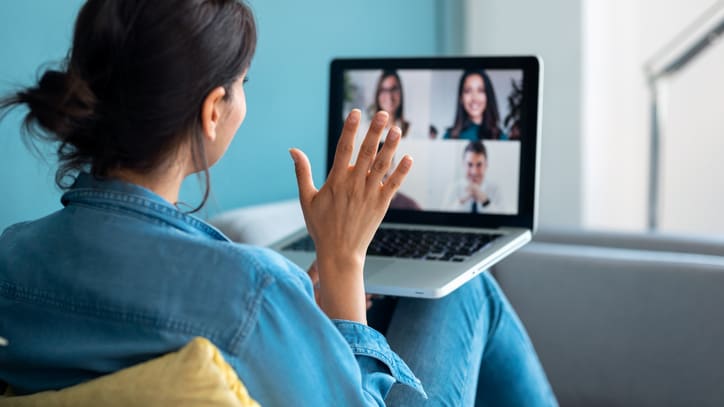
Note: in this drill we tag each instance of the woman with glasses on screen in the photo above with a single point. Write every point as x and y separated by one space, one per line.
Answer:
389 97
152 92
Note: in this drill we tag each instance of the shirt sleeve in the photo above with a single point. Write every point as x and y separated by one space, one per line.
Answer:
370 348
295 355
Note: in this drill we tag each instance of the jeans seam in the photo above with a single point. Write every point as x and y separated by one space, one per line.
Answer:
481 317
495 323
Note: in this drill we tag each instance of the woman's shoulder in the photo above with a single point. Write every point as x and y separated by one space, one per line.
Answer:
237 261
28 239
264 259
123 247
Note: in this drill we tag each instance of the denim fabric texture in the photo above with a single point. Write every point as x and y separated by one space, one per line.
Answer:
120 276
468 348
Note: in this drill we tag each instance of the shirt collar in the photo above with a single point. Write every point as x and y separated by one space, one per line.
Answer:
112 193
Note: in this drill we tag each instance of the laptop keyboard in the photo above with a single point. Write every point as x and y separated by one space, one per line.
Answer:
417 244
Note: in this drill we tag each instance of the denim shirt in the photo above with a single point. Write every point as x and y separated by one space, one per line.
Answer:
120 276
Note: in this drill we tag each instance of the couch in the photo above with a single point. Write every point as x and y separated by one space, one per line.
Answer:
618 319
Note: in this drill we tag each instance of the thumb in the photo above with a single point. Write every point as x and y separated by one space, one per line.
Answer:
313 273
303 171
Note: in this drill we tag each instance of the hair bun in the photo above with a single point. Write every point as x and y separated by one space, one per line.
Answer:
62 104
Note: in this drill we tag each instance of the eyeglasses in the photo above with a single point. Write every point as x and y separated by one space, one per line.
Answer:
393 89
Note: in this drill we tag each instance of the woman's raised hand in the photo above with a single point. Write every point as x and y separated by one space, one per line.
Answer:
344 214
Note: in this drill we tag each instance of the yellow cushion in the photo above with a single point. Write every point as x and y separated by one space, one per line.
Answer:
196 375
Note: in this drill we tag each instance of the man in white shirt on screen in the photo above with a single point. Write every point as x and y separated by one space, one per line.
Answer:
474 194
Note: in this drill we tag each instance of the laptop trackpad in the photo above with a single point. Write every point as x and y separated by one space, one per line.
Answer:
374 265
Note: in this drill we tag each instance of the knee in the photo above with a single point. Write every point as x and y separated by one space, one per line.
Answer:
481 294
491 288
495 300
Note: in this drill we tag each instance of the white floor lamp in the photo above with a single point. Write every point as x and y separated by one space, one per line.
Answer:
670 60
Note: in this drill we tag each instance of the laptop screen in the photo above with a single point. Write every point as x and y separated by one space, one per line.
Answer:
465 122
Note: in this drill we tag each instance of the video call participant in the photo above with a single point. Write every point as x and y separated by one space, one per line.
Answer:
473 193
388 97
477 116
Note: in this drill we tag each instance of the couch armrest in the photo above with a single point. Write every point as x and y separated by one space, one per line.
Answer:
663 242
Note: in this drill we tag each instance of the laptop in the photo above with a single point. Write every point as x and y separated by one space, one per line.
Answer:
472 126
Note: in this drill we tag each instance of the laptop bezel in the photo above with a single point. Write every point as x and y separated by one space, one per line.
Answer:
530 121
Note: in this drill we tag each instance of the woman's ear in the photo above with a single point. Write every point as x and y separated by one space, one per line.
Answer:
211 112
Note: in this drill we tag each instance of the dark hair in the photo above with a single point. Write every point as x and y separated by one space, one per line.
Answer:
391 73
488 129
131 89
476 147
515 104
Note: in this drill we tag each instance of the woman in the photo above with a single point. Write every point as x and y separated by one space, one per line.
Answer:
476 116
388 97
152 92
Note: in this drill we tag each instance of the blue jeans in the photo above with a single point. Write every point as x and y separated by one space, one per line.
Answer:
468 348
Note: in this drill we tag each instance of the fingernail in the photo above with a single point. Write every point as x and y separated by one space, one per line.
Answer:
292 155
381 117
406 162
394 133
354 116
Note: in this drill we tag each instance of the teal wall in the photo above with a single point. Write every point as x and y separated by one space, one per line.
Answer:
286 95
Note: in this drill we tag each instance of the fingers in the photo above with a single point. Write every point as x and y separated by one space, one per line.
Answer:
383 161
303 171
313 273
395 180
345 145
368 150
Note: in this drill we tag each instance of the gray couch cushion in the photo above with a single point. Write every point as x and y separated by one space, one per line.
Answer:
617 327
